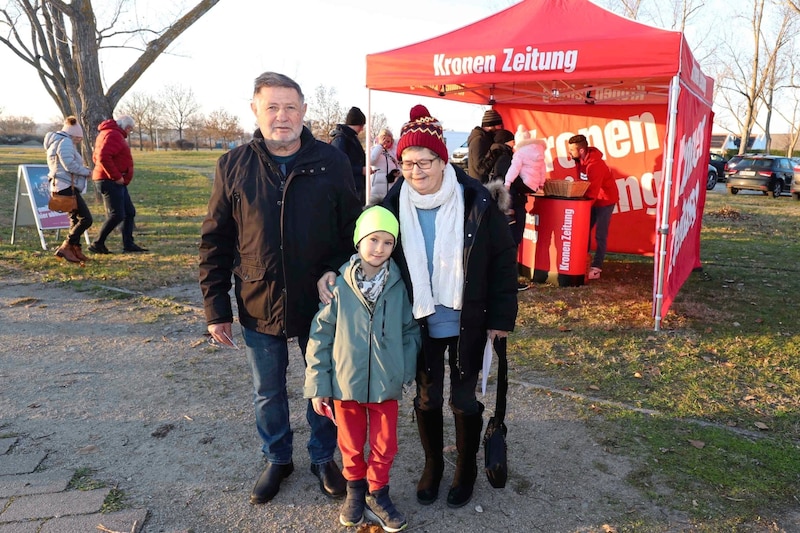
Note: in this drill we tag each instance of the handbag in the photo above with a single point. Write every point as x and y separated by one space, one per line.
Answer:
495 447
62 203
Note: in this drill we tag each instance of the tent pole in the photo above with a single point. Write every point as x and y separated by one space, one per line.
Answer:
368 143
666 191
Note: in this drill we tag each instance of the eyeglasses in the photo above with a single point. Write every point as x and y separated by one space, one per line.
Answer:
423 164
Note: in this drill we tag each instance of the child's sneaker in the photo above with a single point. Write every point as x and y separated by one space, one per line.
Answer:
381 509
594 273
353 507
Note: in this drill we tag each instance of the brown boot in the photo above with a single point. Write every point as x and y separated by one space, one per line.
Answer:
76 249
65 252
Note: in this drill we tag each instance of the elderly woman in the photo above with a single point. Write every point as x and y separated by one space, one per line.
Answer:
458 260
385 169
67 175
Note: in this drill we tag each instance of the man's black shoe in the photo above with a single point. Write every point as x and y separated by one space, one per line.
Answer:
98 248
522 287
331 480
135 248
269 482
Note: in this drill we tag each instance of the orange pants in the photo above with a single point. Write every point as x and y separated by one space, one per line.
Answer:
353 418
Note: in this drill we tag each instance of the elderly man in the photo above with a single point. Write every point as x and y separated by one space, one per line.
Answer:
113 172
280 220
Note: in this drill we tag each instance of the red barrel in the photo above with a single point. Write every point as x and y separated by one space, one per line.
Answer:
562 239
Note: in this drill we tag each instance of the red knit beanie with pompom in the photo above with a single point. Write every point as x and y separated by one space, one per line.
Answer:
422 130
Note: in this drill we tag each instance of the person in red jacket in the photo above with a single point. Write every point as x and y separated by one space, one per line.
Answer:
602 190
113 171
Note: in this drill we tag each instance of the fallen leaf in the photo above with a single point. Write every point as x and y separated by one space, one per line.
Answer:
697 444
759 320
771 386
564 328
749 398
734 499
637 375
609 529
761 425
88 449
593 387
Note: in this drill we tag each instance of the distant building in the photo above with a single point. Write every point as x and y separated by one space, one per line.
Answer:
727 144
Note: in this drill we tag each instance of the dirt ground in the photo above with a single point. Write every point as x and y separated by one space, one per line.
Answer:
130 388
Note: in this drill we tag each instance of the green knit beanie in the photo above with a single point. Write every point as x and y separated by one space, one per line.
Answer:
375 218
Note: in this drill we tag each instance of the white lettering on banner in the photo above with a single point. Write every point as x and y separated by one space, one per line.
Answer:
637 194
531 234
530 60
566 239
625 95
680 228
689 152
615 139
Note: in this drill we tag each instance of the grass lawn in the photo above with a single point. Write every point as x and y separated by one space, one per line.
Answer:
718 389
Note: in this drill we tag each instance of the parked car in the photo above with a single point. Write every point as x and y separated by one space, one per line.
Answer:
730 165
718 162
459 156
713 177
769 174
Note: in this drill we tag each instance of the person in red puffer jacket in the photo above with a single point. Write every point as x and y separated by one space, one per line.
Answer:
602 190
113 171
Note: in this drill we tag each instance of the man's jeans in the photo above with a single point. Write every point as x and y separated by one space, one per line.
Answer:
600 217
269 360
119 209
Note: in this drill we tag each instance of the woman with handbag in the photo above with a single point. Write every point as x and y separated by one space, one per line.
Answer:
459 261
67 179
385 169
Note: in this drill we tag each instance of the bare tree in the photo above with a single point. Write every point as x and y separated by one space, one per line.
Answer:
62 40
195 129
324 112
178 107
223 126
144 109
746 76
11 125
376 123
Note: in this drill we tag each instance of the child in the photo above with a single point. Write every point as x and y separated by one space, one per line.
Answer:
528 161
362 349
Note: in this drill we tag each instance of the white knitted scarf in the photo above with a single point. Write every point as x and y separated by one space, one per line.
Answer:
446 285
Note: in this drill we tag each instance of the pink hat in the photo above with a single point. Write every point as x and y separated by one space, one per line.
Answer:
73 130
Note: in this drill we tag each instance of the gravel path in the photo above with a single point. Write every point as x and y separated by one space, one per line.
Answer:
128 387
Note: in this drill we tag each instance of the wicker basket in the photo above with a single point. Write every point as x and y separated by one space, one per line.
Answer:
565 189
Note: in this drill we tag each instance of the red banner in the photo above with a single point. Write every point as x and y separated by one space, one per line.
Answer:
687 197
632 141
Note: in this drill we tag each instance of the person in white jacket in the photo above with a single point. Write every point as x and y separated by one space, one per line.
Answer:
67 174
385 168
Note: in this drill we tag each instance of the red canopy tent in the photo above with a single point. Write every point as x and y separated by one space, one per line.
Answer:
562 67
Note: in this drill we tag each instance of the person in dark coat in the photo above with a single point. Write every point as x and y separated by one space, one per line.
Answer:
345 138
459 261
280 221
478 143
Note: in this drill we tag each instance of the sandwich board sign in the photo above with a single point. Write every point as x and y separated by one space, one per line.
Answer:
30 203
